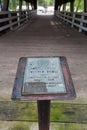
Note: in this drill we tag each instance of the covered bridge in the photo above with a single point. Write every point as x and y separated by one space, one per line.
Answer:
57 4
26 34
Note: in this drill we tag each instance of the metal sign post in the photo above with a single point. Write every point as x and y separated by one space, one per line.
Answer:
43 79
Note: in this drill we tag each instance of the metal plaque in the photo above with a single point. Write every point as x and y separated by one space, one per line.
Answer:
43 76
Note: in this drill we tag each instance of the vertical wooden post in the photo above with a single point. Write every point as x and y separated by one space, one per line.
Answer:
44 114
10 21
72 6
64 7
27 5
5 5
32 4
85 5
81 23
73 19
20 5
0 3
56 5
27 10
35 4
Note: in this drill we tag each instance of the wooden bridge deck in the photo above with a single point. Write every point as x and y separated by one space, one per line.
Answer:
44 36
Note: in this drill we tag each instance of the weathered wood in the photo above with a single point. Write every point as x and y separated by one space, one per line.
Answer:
56 5
85 5
60 112
27 5
20 5
74 16
5 5
12 19
35 4
72 6
64 7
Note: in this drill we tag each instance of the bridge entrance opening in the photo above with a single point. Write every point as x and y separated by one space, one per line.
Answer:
45 7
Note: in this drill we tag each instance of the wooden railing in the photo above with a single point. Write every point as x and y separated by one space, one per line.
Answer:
78 20
11 19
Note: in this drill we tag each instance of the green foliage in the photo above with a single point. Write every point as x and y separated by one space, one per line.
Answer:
49 2
30 111
13 4
79 5
45 2
56 114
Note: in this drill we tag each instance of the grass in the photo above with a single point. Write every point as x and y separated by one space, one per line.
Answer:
64 126
27 111
59 112
34 126
20 126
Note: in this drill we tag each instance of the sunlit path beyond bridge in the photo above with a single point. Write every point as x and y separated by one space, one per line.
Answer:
43 36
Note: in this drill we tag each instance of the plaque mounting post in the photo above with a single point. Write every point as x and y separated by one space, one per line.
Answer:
43 114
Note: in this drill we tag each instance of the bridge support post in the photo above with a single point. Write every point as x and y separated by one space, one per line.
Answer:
5 5
27 5
85 5
27 12
35 4
20 5
56 5
72 6
64 7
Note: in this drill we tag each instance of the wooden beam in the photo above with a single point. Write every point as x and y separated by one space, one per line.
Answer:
20 5
27 5
5 5
64 7
56 4
60 112
72 6
85 5
32 4
35 4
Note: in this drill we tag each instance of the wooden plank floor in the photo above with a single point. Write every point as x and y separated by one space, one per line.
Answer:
44 36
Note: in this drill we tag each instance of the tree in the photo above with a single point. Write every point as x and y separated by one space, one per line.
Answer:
79 5
46 2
